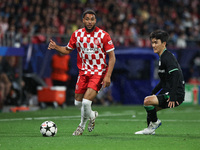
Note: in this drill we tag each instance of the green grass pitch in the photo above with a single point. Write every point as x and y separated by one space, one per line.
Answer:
114 129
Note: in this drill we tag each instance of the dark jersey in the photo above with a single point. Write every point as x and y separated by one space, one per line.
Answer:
171 77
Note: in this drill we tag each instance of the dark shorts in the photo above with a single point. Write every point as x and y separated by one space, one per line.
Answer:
162 99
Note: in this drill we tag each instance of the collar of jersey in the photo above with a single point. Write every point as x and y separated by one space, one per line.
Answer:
163 51
96 28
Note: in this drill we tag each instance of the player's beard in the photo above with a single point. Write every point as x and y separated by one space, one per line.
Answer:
90 30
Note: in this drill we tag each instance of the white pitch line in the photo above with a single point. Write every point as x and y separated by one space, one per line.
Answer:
77 117
138 120
18 119
58 117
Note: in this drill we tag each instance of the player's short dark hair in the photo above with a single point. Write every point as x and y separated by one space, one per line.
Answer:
159 34
89 11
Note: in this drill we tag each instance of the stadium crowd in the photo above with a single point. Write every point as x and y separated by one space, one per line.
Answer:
129 22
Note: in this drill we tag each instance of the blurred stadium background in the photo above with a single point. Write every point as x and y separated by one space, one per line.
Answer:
27 25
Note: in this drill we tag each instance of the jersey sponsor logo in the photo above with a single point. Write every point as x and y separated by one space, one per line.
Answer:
90 50
110 42
161 71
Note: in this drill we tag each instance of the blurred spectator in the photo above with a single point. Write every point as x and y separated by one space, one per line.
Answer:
104 96
5 84
61 17
4 24
181 41
195 67
17 95
60 71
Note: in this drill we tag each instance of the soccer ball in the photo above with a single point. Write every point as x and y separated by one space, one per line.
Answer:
48 128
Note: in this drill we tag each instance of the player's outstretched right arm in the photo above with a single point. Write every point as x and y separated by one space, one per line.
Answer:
61 49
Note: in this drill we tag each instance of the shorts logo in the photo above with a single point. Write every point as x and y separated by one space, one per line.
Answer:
110 42
77 87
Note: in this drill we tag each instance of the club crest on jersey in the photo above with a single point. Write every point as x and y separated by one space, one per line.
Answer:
96 42
110 42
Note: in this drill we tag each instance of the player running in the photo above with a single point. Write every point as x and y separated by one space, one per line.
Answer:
92 44
172 84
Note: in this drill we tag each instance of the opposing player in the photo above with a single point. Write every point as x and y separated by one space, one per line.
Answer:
171 85
92 44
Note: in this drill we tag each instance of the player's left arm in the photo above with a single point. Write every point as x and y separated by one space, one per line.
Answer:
111 64
174 73
173 98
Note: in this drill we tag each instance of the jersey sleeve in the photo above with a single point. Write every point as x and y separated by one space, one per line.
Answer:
157 88
108 44
173 71
175 75
72 42
171 64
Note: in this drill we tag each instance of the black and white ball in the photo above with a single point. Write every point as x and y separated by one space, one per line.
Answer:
48 129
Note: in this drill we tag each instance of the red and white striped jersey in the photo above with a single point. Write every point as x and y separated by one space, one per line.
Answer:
92 48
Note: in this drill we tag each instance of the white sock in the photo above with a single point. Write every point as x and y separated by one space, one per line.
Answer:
78 104
92 115
85 112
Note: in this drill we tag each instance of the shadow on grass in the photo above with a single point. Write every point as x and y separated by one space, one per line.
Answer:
114 136
178 136
131 136
110 136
